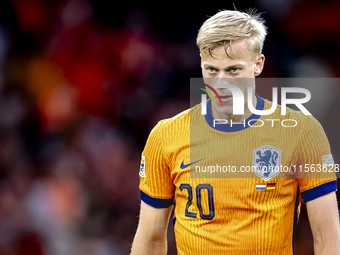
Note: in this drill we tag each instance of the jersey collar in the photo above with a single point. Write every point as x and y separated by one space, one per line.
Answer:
234 127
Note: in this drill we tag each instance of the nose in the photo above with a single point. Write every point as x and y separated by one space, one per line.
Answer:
224 78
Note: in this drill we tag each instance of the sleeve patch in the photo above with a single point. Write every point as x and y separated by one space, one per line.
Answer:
328 160
319 191
156 202
142 167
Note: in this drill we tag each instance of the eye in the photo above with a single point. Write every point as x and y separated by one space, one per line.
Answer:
212 70
233 70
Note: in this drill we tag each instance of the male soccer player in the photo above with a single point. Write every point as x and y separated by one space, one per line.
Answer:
256 213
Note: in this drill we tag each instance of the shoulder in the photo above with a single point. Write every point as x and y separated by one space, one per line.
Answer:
179 122
305 122
176 120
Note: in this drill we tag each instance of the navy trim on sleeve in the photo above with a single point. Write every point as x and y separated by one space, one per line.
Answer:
319 191
156 202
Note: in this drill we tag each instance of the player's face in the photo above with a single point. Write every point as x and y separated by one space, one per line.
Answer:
239 70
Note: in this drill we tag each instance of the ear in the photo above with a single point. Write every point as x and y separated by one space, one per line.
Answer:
259 64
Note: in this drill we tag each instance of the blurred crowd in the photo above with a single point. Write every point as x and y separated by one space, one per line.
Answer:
83 82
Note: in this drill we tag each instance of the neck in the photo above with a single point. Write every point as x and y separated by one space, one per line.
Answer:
234 118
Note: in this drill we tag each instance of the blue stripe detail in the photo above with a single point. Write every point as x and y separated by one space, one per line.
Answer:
297 202
319 191
234 127
156 202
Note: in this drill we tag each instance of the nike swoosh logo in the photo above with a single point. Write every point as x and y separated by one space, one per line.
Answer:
183 166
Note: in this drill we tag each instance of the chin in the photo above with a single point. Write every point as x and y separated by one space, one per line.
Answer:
228 110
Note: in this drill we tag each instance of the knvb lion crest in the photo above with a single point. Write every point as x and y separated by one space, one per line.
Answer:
266 162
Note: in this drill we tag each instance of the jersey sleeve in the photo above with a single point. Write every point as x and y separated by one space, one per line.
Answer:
316 174
155 184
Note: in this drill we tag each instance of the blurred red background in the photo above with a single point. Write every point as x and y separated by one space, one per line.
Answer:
83 82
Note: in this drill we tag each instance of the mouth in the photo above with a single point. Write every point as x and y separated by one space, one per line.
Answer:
225 98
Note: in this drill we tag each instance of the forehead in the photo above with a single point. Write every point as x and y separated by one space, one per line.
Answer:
238 51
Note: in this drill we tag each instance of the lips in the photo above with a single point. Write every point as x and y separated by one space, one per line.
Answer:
226 98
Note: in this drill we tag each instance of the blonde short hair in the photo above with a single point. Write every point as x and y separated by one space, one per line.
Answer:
227 26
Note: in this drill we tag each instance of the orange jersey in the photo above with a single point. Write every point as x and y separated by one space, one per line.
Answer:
236 188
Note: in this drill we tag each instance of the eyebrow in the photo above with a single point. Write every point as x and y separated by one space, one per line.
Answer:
206 65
